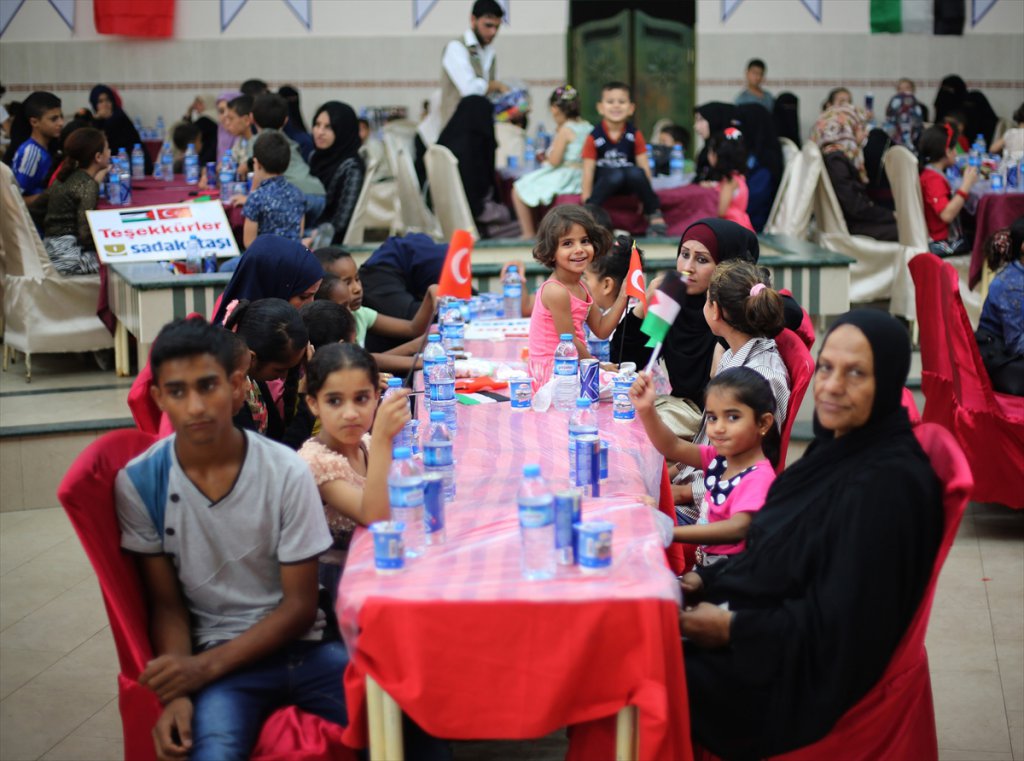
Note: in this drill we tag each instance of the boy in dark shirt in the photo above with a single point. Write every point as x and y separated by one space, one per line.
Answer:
275 206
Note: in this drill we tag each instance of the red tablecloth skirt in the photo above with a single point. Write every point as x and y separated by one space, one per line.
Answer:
995 211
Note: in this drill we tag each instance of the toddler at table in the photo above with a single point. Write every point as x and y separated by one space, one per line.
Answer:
615 157
275 206
739 466
936 153
727 155
568 241
349 465
562 171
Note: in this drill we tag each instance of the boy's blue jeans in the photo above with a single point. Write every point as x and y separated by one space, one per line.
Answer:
229 713
624 181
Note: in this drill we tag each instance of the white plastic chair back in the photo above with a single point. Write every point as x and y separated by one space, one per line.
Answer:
447 192
413 215
794 201
356 232
24 253
789 150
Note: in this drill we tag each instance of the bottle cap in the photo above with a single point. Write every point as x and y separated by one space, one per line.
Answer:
402 453
513 268
437 416
582 402
137 145
531 471
565 337
394 382
433 338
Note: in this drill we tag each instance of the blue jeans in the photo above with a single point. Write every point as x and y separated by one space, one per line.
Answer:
229 713
624 181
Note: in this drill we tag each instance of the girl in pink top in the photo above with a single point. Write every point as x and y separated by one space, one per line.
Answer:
739 466
568 240
727 155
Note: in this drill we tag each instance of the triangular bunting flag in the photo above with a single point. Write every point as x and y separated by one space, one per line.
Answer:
302 9
228 10
814 6
66 9
457 274
8 10
729 7
979 8
420 9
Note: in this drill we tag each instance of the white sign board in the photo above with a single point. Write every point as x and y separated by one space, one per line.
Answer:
159 233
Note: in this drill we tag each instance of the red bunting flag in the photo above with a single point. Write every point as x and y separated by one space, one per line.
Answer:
131 18
457 274
636 285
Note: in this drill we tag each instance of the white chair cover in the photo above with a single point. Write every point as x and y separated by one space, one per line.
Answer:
902 169
450 203
789 150
511 142
412 216
879 272
43 310
794 202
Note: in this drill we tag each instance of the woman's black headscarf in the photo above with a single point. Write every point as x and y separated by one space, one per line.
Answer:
118 128
690 345
469 135
324 163
787 117
762 141
953 96
950 97
291 95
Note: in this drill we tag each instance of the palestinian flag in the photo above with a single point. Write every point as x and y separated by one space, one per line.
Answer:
664 308
917 16
138 215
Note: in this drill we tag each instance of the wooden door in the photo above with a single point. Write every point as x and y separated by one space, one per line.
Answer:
663 66
600 51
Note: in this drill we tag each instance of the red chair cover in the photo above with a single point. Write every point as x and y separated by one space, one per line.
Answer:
910 405
87 495
800 365
896 719
959 395
806 327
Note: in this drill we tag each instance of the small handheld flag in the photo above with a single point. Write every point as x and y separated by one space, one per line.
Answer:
636 286
457 274
664 308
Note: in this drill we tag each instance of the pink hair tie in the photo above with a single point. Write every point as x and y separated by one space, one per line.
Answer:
231 308
756 288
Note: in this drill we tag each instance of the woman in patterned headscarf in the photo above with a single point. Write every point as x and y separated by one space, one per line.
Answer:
840 133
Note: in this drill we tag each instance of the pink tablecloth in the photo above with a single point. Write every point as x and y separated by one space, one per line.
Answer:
681 206
995 211
470 650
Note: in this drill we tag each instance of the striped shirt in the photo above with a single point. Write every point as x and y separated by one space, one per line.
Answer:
31 167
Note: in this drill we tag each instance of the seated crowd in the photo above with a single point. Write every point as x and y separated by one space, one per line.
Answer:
278 441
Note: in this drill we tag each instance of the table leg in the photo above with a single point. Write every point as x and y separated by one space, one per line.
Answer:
385 720
627 738
122 357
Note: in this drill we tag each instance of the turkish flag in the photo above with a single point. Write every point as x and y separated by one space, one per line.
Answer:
457 274
636 286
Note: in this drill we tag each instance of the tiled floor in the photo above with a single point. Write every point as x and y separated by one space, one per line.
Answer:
58 667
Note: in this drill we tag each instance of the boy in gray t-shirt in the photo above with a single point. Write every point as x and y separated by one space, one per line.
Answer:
228 526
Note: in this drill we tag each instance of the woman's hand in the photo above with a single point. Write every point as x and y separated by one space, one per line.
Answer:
392 415
706 625
691 583
642 392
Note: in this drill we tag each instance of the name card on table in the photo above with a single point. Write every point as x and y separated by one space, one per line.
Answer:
159 233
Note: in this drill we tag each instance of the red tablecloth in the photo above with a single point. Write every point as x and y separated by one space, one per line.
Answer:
470 650
681 207
153 192
995 211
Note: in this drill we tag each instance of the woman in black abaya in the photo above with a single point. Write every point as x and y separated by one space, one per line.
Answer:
836 563
111 118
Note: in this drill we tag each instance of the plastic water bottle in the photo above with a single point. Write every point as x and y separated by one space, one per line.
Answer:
543 139
403 438
676 163
191 165
126 183
405 493
114 190
582 423
167 162
122 156
437 452
980 144
529 155
453 327
138 162
442 392
600 348
160 128
512 292
193 256
537 525
226 174
567 374
650 160
433 353
869 105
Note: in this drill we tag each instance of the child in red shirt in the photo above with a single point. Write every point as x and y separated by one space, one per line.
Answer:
937 152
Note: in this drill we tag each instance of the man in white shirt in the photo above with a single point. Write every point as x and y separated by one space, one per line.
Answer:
468 64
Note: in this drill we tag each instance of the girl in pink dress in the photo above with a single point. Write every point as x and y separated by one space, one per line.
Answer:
727 155
568 240
350 467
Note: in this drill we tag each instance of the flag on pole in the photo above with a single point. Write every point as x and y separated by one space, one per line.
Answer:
636 286
457 273
664 308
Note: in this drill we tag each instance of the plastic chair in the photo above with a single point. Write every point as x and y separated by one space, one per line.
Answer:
371 211
879 272
447 192
901 168
957 390
87 495
896 718
44 311
794 201
797 358
412 214
790 150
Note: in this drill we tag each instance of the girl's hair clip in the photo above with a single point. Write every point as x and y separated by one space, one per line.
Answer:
756 288
731 133
567 93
